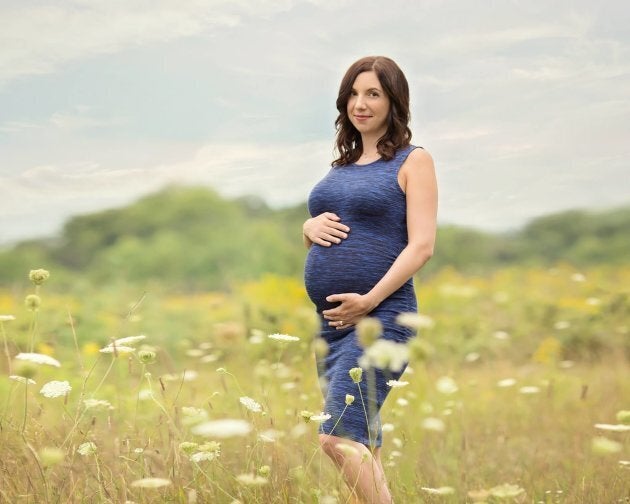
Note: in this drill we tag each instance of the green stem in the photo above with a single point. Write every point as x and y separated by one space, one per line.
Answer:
6 347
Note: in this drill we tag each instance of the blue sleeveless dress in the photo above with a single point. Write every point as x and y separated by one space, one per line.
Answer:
368 199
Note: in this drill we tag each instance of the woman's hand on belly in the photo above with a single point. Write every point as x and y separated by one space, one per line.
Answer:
325 229
353 307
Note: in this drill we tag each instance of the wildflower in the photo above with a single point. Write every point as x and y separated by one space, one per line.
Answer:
38 276
623 416
270 436
356 374
506 490
128 340
187 376
401 401
22 379
151 482
188 447
283 337
146 356
397 383
500 335
444 490
203 456
562 324
529 389
624 463
193 415
604 446
224 428
385 354
117 349
38 359
387 427
306 415
50 456
415 321
368 331
349 399
320 347
446 385
251 479
97 404
613 428
264 470
87 448
250 404
212 448
472 357
506 382
33 302
145 394
55 389
578 277
433 424
321 418
6 318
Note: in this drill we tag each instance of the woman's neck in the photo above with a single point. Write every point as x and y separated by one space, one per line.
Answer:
369 143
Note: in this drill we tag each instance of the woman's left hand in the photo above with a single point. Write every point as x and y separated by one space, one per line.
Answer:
353 308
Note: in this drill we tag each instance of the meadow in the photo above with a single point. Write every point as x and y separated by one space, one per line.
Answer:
518 390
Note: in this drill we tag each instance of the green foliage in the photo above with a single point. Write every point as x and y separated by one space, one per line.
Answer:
193 238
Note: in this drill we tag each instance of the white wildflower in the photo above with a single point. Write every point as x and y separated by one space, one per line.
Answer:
128 340
506 490
97 404
251 479
283 337
506 382
500 335
55 389
446 385
22 379
224 428
444 490
385 354
203 456
613 427
270 436
38 359
578 277
472 357
433 424
87 448
415 320
118 349
151 483
397 383
250 404
562 324
387 427
529 389
6 318
401 401
321 418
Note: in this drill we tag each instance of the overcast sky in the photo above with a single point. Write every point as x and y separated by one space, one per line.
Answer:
524 105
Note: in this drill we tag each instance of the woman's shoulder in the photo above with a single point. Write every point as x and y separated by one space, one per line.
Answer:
418 155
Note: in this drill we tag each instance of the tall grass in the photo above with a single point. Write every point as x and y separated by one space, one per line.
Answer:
510 382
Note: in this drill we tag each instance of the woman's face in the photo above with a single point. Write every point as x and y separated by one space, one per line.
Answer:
368 105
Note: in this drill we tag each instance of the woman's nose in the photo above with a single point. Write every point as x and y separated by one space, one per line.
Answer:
359 103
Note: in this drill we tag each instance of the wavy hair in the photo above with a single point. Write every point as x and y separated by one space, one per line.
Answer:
398 134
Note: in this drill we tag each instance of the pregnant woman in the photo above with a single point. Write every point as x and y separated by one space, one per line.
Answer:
372 228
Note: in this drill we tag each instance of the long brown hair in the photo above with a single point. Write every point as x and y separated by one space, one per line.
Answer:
390 76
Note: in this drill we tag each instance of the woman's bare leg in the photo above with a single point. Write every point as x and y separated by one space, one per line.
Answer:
362 471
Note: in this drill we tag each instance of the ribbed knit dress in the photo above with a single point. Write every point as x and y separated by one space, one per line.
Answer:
369 200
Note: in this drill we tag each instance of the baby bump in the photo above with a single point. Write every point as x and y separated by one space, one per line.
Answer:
342 268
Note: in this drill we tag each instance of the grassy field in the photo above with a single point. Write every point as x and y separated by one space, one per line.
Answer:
518 391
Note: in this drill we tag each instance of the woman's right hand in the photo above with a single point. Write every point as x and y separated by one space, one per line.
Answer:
324 229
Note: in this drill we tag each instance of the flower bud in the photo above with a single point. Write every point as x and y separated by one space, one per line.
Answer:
264 470
306 415
623 416
146 356
32 302
356 374
38 276
349 399
368 331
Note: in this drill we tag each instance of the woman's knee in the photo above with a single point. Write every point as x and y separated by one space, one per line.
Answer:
340 448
